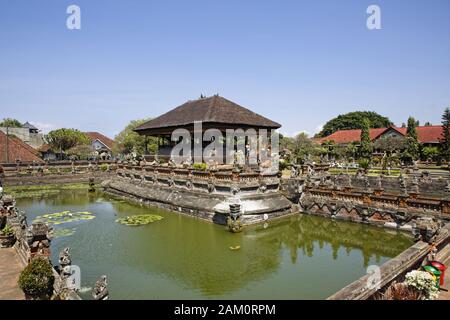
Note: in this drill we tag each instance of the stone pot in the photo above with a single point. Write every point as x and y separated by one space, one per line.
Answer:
7 241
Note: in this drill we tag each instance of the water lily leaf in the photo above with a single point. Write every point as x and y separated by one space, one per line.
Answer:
64 232
58 218
139 220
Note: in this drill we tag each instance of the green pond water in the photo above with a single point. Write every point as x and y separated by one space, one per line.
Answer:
179 257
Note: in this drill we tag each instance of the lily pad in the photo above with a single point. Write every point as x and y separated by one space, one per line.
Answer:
58 218
64 232
139 220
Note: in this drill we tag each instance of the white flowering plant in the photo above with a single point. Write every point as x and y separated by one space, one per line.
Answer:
424 283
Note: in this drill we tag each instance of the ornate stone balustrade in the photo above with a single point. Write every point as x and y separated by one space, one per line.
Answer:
204 181
57 167
411 201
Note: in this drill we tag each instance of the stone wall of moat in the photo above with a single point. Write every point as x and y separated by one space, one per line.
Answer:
63 172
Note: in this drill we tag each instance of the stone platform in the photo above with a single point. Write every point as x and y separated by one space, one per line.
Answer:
210 206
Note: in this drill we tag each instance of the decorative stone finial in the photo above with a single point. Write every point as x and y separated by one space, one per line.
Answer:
100 291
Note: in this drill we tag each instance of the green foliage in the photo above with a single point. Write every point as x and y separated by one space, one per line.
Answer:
431 153
411 128
7 231
64 139
128 141
9 122
60 233
36 280
302 146
366 145
364 164
353 120
390 145
445 141
351 151
80 152
58 218
200 166
139 220
412 150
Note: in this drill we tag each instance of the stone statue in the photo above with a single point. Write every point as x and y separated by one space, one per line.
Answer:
415 185
235 189
91 185
349 181
262 186
402 183
366 183
23 221
416 166
100 291
64 258
294 172
425 177
380 182
234 218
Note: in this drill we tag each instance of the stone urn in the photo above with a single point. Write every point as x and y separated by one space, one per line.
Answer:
7 237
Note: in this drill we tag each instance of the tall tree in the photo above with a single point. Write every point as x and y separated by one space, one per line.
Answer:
412 142
445 140
63 139
366 145
353 120
128 141
10 122
302 147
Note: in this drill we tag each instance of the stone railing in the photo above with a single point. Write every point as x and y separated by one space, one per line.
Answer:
210 181
408 201
56 167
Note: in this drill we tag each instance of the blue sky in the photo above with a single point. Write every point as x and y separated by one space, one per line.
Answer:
299 63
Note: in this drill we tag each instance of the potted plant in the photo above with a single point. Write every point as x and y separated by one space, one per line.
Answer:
37 279
7 238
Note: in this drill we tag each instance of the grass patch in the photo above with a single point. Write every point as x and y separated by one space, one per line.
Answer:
38 191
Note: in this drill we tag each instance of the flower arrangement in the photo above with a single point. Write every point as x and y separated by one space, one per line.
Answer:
424 283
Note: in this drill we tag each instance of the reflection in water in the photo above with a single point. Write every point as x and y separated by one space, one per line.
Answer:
183 258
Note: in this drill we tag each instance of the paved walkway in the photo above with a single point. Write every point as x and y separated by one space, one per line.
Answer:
10 268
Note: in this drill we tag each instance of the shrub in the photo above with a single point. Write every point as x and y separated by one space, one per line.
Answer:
7 231
283 165
36 280
364 163
199 166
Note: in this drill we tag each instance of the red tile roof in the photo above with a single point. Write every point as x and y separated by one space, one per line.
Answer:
17 150
425 134
102 138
